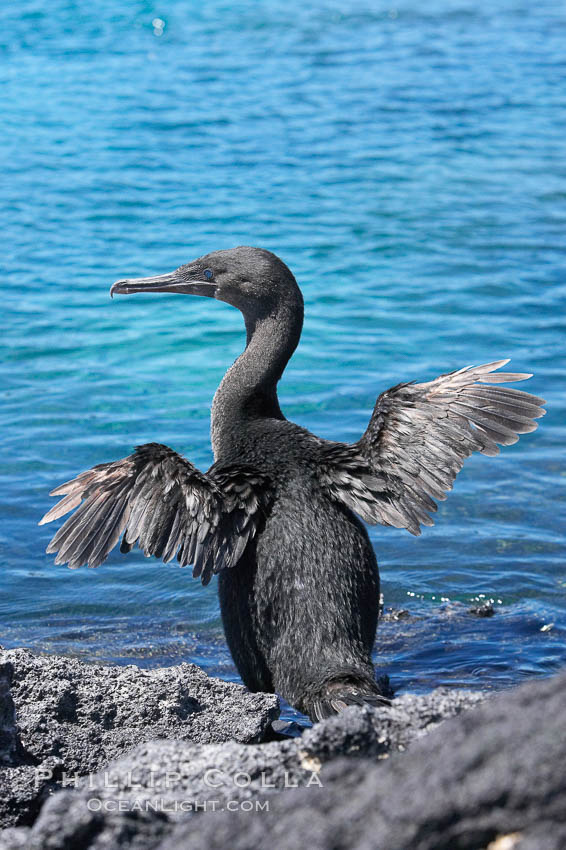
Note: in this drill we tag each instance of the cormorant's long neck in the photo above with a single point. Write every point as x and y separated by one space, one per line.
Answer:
249 388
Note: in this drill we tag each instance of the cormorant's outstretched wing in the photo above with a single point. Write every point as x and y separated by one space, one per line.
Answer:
418 438
161 501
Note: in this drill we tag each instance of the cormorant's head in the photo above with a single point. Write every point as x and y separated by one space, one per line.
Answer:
255 281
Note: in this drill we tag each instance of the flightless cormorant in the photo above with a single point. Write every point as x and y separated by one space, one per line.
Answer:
277 515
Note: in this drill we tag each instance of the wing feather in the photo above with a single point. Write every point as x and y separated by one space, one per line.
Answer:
159 500
418 438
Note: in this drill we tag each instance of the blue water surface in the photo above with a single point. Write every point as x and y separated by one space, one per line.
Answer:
407 161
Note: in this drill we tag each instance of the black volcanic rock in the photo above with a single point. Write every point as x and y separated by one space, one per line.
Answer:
143 794
9 744
444 771
73 718
87 714
22 789
492 778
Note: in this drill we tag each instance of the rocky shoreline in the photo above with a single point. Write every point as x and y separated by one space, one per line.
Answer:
96 757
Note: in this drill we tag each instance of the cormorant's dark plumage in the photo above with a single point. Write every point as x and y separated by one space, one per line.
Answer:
300 598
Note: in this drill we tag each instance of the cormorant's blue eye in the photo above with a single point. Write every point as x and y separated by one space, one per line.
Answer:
208 273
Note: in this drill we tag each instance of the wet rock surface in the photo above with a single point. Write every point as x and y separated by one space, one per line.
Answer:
486 609
451 769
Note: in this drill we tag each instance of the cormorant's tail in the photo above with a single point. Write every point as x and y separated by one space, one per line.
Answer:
338 693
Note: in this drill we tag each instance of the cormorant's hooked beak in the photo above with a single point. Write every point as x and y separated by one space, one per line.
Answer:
171 282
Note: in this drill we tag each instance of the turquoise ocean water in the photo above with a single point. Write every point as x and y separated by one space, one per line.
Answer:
409 164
